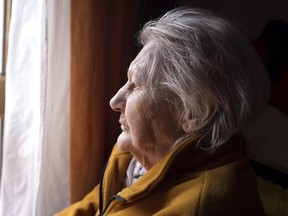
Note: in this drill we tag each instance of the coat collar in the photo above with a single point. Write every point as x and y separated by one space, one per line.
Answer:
184 158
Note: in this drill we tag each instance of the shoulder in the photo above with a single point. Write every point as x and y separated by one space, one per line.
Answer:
230 189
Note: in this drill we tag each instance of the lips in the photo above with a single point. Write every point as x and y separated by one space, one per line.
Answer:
123 124
124 128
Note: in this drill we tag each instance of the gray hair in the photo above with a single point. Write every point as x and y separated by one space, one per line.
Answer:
210 68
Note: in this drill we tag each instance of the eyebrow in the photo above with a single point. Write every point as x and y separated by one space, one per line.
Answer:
130 70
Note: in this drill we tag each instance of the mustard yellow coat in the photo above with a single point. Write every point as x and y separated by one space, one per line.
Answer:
185 182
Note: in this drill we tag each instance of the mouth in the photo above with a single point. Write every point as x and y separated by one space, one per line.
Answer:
124 128
123 124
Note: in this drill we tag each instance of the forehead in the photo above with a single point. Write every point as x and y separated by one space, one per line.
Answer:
143 56
138 64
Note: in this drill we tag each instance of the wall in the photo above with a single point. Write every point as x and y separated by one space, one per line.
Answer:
253 14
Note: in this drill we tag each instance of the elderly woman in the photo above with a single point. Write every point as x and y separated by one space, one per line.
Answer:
190 91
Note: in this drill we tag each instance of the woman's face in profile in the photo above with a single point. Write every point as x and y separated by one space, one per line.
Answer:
148 126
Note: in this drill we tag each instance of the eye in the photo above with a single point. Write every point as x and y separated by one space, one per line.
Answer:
132 85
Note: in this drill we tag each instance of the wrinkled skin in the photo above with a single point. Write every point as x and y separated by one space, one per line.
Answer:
149 127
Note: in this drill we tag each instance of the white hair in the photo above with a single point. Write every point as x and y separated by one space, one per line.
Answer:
210 68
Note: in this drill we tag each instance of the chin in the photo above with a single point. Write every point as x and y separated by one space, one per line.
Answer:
124 142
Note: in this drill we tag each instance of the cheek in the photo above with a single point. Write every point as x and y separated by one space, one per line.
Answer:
149 122
164 122
139 120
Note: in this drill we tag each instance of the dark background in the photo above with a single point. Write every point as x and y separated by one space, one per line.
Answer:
252 14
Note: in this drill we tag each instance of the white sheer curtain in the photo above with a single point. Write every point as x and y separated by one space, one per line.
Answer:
35 176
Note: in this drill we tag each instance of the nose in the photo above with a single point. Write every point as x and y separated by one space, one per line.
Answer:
117 103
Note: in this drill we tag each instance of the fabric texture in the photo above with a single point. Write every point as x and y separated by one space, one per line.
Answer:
134 172
35 171
101 50
185 182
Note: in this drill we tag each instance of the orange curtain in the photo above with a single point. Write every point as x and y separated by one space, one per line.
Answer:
101 50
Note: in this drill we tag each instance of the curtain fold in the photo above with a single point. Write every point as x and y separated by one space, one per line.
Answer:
101 49
54 183
35 170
